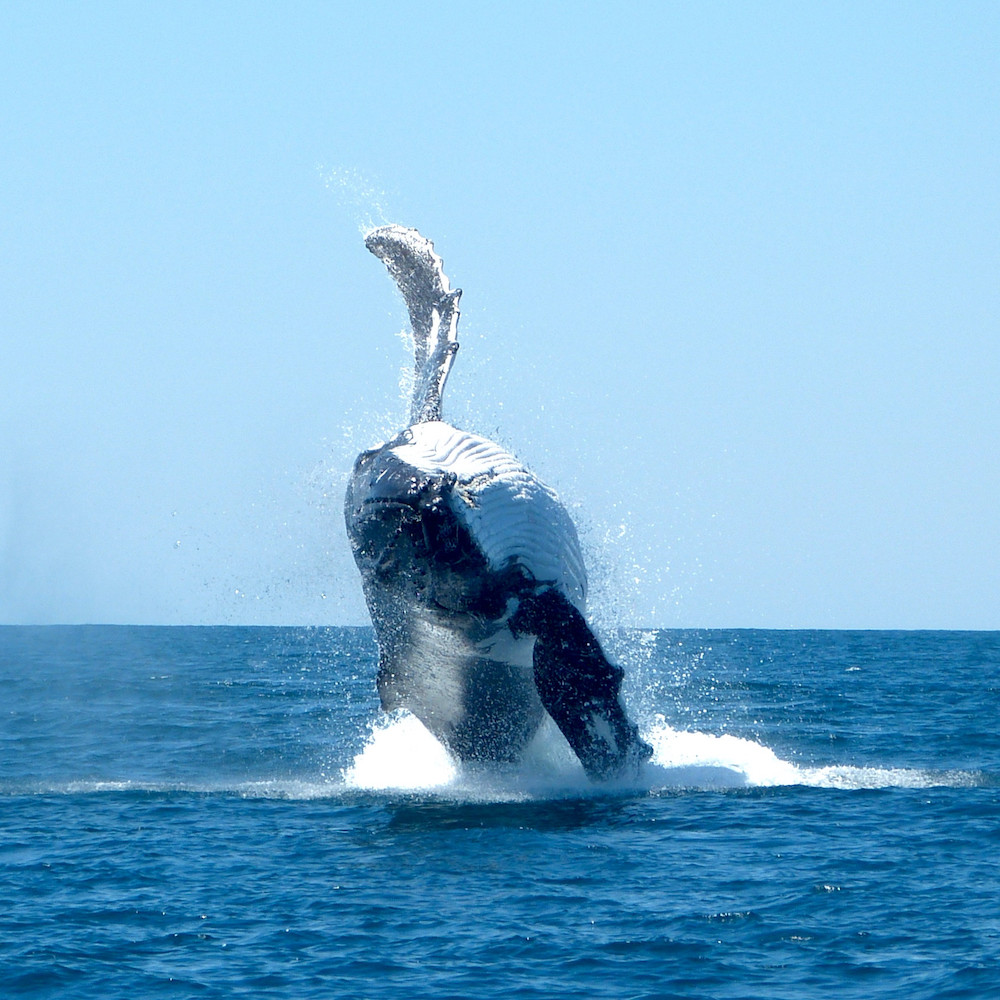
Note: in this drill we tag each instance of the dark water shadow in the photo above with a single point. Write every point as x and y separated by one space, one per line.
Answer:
540 815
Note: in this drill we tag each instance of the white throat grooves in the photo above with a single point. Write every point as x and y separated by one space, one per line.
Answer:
511 514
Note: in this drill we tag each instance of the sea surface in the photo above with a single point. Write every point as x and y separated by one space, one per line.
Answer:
221 812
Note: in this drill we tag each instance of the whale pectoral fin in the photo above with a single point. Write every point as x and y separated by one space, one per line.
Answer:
579 687
433 307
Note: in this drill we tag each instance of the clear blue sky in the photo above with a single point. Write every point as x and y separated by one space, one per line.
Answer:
731 273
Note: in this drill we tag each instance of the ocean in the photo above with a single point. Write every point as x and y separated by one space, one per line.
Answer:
222 812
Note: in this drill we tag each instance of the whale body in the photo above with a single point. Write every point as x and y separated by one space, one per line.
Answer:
472 569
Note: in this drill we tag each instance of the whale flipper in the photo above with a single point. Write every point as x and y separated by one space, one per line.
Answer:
579 687
433 307
472 569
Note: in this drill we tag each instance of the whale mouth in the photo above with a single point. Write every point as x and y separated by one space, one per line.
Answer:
384 517
381 507
380 502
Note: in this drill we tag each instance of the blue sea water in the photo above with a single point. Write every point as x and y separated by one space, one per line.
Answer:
220 812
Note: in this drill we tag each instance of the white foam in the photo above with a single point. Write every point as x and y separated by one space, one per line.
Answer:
401 755
701 760
886 777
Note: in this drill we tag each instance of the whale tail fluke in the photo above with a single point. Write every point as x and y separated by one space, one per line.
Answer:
579 687
433 307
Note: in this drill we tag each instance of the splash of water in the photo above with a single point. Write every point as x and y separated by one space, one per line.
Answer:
401 755
363 197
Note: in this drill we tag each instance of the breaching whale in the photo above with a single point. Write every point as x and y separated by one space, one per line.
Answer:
472 569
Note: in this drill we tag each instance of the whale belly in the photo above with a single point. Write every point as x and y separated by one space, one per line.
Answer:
478 698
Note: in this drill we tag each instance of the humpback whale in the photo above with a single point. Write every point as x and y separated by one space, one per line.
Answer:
472 570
